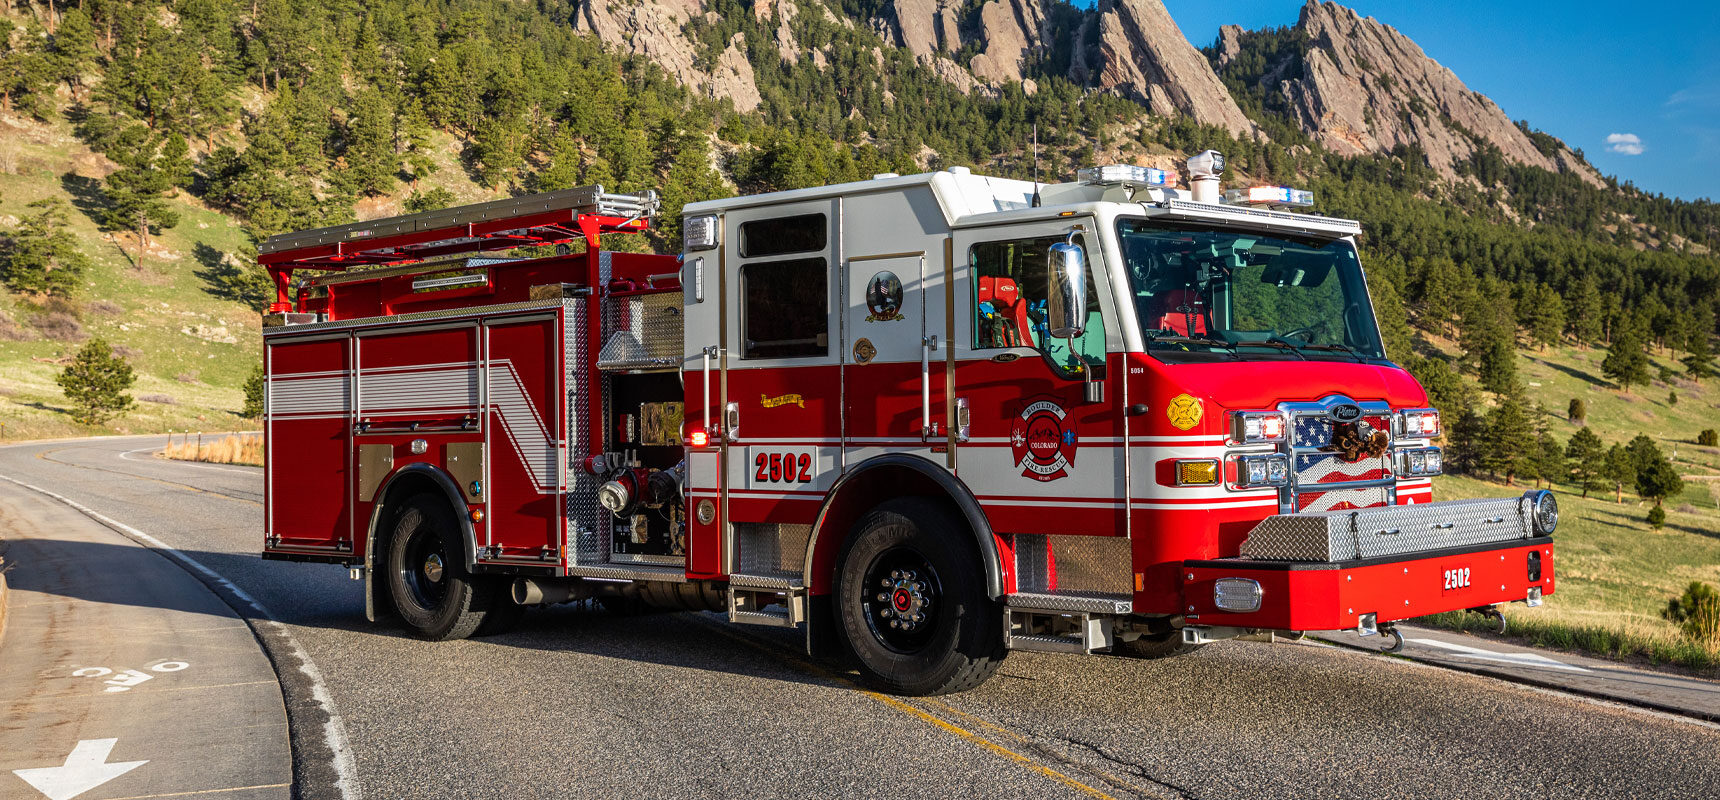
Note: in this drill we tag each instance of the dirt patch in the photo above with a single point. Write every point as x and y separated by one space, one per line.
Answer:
59 326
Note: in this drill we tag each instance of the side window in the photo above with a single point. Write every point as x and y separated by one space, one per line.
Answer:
803 233
785 308
1011 280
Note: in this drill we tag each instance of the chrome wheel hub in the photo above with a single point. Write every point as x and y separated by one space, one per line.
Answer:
433 568
904 598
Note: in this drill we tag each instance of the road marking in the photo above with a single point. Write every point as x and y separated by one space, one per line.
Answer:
45 455
1520 659
127 678
126 456
334 728
85 769
905 708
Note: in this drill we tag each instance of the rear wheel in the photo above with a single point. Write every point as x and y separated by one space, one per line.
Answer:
427 577
912 602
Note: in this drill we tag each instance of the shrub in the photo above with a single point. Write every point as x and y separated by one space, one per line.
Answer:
1656 517
254 394
1708 438
95 382
158 399
1698 614
1578 410
58 326
1672 397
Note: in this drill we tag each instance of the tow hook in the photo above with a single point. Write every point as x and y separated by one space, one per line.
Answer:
1391 630
1492 613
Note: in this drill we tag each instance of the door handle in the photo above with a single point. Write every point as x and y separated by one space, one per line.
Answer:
964 419
928 429
732 422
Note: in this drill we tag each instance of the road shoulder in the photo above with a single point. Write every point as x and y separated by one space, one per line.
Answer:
133 678
1567 672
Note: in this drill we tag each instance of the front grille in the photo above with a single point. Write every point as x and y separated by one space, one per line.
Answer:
1323 481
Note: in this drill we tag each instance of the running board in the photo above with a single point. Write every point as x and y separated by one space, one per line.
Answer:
1051 631
776 606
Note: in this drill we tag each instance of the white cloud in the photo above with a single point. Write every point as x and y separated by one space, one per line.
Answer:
1627 143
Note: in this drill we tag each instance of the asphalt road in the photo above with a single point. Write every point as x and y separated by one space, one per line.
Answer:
579 702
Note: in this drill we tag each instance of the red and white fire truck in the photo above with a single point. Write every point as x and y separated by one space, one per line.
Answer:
932 418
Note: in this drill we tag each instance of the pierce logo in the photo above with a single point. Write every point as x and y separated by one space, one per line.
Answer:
1043 440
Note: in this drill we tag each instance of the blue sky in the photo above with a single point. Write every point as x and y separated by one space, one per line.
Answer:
1582 71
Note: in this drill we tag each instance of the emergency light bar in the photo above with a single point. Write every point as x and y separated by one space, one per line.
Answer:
1125 175
1271 196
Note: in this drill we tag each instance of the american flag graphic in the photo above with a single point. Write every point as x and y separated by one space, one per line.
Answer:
1313 469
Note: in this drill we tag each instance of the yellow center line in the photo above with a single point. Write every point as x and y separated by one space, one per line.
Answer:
906 708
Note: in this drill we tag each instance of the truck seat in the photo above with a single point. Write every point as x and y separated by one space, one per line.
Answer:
1171 317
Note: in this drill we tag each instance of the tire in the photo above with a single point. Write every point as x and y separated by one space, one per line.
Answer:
427 577
1155 646
920 559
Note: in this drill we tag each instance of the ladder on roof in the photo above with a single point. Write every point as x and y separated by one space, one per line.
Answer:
538 219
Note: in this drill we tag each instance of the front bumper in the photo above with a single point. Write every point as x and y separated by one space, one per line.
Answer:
1328 571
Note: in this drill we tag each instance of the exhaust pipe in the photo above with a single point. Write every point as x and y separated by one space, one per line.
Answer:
533 592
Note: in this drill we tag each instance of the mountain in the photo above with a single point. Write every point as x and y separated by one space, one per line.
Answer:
185 130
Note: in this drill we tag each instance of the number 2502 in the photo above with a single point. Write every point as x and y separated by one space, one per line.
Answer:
783 468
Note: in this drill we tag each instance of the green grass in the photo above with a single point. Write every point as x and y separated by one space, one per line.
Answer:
150 314
1613 575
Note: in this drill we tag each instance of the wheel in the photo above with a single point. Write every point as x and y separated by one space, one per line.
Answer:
912 604
1154 646
427 575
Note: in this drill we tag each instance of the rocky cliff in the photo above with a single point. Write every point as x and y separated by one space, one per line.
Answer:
1363 87
1358 85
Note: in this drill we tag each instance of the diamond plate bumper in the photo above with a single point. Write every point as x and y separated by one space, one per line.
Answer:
1388 531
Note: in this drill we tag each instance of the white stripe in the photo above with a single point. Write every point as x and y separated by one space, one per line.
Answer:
525 430
334 729
1198 506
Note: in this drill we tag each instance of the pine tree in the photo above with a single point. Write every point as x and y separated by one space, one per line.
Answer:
254 394
1658 480
1587 460
563 169
95 383
1549 458
74 49
1585 319
41 256
1543 315
1446 390
1509 444
1621 470
1699 363
1577 411
369 153
1465 440
1394 320
24 70
134 191
1626 362
415 133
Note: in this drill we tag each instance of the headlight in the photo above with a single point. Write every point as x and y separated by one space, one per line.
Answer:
1543 511
1262 470
1256 427
1241 595
1419 462
1419 423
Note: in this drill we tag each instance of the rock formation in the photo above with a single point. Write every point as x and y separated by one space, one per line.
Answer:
1364 87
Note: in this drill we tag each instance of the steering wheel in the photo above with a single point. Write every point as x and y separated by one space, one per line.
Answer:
1306 333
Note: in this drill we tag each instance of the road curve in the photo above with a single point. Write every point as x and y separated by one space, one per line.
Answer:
580 702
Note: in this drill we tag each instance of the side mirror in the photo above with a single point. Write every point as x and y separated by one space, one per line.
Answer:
1066 305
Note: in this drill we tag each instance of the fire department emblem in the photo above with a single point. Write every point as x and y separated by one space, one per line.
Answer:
1043 441
884 297
1184 411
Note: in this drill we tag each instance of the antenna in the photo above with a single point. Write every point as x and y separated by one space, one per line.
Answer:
1036 164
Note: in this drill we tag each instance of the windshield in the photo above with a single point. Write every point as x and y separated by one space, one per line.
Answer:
1213 294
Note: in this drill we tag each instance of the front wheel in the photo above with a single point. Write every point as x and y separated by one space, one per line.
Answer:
427 577
912 602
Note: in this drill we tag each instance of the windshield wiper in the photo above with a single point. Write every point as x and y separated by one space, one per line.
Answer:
1160 336
1338 348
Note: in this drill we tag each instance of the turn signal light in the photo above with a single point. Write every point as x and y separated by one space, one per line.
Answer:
700 438
1197 472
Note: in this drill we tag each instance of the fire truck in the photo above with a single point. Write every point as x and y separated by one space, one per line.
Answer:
928 418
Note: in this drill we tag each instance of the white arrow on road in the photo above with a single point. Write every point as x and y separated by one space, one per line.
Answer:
1520 659
85 769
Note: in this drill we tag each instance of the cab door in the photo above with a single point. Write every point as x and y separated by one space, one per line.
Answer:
1039 455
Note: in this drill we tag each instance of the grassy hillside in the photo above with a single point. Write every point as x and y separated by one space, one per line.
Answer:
191 348
1614 574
